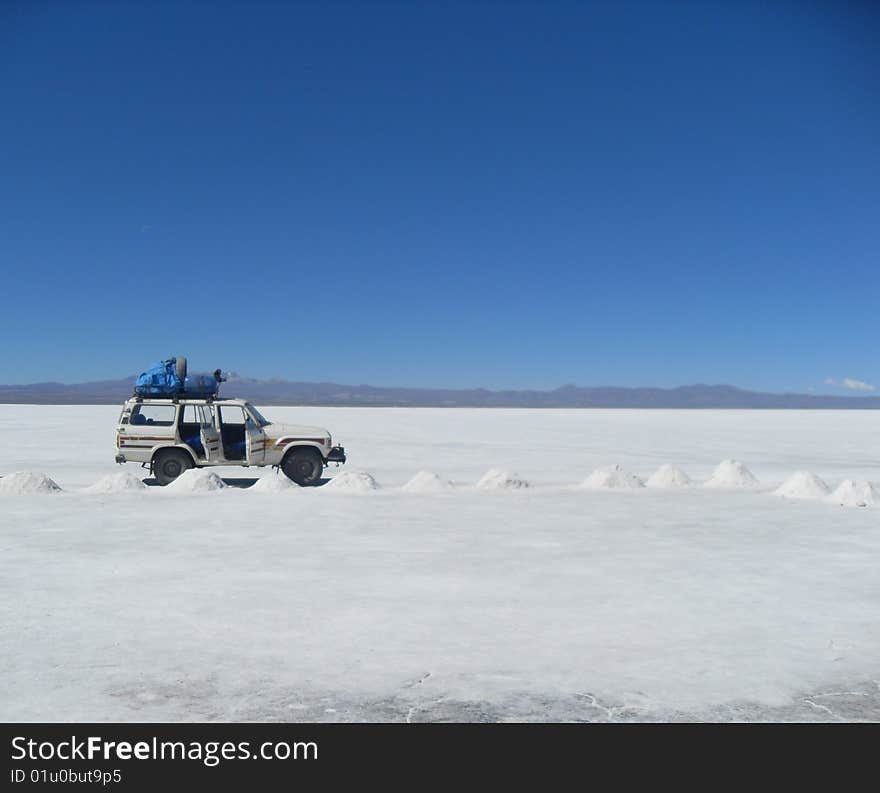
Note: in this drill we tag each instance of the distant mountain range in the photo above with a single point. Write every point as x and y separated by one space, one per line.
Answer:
284 392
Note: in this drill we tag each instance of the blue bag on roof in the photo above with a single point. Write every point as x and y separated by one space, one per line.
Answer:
201 385
169 378
163 378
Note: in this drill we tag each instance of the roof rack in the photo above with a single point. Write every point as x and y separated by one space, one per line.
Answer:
175 398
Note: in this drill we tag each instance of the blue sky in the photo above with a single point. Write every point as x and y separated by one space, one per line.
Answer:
449 194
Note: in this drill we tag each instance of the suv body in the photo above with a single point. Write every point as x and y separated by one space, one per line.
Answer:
173 434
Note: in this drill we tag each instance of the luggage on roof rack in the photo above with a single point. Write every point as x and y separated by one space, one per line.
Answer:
201 385
162 379
169 378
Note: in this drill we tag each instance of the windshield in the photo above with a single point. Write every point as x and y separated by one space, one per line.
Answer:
258 417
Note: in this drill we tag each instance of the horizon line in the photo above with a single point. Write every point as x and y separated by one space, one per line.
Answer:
277 380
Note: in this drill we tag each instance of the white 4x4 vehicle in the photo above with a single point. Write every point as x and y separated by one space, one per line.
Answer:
174 434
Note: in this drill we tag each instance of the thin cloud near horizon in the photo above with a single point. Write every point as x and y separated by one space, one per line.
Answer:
850 383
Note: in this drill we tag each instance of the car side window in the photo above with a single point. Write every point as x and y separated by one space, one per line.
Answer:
153 415
231 415
207 417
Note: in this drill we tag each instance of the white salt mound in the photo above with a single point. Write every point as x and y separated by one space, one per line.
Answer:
614 477
120 482
731 473
802 484
427 482
197 480
274 483
668 476
27 483
353 482
855 493
496 479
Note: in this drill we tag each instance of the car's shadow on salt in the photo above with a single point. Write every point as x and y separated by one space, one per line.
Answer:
240 482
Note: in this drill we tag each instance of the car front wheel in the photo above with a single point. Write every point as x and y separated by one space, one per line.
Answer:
303 466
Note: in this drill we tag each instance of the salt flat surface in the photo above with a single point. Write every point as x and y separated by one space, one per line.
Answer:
350 603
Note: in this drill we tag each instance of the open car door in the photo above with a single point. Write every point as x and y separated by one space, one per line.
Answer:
256 439
210 435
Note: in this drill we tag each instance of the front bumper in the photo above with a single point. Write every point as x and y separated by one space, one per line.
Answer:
336 455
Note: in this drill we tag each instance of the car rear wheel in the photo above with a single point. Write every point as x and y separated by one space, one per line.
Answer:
169 464
303 466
